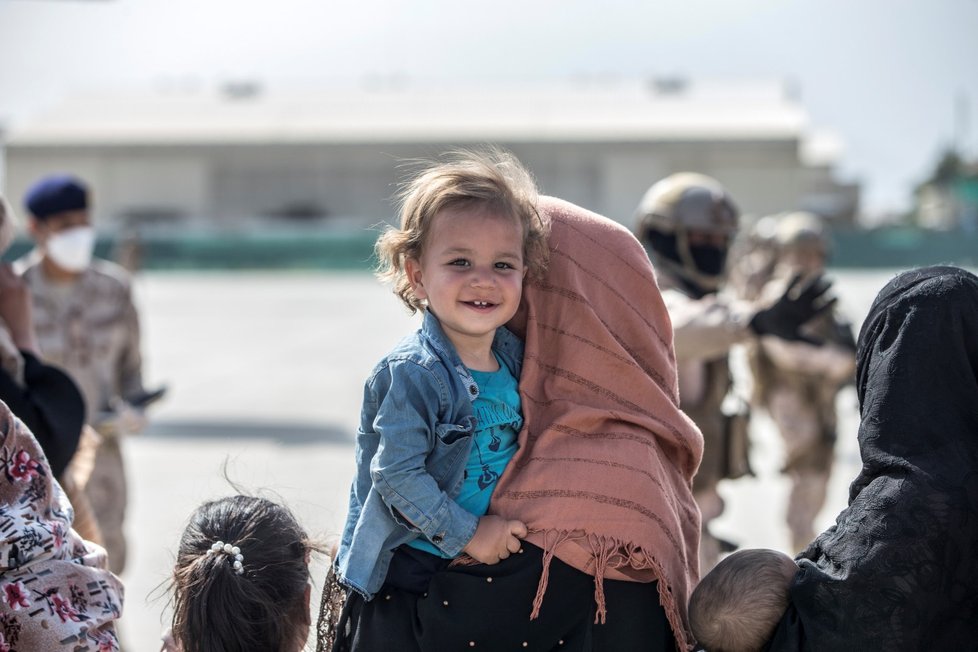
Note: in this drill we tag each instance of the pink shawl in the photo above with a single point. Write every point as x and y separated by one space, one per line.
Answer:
603 474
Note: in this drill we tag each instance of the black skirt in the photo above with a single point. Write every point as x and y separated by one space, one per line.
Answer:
484 607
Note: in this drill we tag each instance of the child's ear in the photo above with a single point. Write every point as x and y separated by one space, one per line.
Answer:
414 273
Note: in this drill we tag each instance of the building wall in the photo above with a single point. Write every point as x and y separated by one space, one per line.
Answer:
124 182
229 186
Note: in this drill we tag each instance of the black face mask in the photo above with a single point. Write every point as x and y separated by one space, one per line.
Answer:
663 244
708 259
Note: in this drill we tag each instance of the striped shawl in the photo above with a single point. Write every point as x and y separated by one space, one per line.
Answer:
602 478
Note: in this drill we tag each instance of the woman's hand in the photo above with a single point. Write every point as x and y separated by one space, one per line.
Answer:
495 539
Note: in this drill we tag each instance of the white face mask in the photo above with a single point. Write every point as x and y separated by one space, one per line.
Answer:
71 249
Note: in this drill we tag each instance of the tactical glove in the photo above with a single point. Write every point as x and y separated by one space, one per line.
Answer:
802 301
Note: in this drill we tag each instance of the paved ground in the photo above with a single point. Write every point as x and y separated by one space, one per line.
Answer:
265 373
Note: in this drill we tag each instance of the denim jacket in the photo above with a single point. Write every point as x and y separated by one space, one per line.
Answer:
415 434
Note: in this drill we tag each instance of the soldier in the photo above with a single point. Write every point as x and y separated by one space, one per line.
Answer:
86 323
797 382
43 396
687 222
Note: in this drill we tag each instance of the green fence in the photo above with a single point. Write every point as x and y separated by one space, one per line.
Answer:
891 248
904 248
333 251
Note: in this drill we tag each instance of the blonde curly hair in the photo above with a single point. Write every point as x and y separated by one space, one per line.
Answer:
488 178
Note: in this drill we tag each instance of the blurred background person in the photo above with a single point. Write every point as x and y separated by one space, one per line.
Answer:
87 324
44 397
687 222
797 382
753 257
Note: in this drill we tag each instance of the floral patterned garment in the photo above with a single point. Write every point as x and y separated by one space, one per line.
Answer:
55 591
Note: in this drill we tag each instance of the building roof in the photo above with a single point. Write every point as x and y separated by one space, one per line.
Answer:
392 110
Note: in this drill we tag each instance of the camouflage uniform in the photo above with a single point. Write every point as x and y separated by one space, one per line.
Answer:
753 257
798 382
706 323
704 331
687 222
90 328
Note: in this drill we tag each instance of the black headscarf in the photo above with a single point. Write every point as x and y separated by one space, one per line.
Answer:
899 569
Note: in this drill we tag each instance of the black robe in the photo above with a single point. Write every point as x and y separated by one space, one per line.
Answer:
899 569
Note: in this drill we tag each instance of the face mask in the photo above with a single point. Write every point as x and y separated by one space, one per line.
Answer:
708 259
71 249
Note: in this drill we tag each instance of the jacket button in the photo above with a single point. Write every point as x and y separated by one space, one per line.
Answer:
473 390
438 538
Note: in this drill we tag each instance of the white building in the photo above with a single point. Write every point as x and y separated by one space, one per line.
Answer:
227 157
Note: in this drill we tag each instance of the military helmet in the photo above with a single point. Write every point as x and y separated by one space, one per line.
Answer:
802 230
674 207
688 200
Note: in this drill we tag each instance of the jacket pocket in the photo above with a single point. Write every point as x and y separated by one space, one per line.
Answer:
449 433
446 461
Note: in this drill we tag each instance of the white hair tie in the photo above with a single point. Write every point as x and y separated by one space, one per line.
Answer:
233 552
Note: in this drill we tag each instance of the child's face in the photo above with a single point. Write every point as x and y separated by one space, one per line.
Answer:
471 274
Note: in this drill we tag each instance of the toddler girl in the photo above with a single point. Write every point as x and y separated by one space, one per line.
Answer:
441 412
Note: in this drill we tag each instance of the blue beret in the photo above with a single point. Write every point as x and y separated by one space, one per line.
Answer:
55 194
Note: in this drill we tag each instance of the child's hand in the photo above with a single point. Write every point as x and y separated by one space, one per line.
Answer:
495 539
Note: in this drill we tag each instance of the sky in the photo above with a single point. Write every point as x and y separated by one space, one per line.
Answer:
896 79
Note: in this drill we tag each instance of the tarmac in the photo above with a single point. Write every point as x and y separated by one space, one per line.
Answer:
265 373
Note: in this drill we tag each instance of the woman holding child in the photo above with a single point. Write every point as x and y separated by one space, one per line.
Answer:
590 540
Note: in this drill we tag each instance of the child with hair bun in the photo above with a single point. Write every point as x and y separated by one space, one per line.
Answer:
241 579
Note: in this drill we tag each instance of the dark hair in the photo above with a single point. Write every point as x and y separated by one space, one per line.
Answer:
262 607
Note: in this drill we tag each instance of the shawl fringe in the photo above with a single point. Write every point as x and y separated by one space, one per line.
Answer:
607 553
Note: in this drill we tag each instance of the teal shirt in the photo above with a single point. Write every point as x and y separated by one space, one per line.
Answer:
498 422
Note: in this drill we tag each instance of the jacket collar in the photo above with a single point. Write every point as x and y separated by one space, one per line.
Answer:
432 331
504 341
